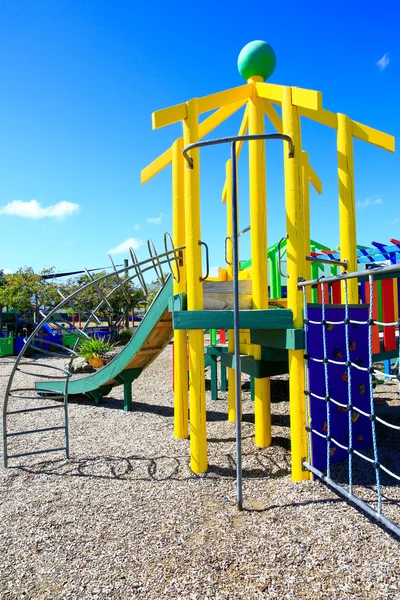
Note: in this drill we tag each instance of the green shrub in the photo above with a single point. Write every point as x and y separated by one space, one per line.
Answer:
124 336
94 347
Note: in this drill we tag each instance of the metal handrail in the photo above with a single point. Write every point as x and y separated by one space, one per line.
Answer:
149 263
207 261
280 257
138 270
245 230
119 278
160 273
229 237
177 257
327 261
356 274
233 141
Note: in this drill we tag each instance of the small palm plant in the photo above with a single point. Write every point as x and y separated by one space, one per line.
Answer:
94 349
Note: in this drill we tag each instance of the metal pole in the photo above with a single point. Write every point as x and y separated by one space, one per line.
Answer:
354 500
239 493
360 274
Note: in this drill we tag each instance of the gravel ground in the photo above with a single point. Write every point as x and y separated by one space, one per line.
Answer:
125 517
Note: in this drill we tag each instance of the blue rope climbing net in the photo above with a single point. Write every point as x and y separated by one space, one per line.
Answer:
344 439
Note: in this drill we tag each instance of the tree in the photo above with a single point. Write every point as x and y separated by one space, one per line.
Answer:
26 291
122 301
154 289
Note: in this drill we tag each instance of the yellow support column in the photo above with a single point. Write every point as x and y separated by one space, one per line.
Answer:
259 269
307 224
296 268
197 393
347 205
229 257
180 343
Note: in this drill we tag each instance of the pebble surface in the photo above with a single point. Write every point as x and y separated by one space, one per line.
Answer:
125 518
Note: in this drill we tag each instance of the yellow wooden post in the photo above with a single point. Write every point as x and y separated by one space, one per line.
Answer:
295 257
259 269
229 256
307 224
197 394
180 343
347 205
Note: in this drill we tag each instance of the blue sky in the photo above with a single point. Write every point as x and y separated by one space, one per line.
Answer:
79 81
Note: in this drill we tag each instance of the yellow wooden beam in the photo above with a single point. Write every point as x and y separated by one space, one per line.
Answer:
224 193
242 131
325 117
173 114
310 99
277 123
347 204
167 116
359 130
180 363
373 136
301 97
295 268
273 116
218 117
259 259
204 128
243 92
156 166
269 91
315 180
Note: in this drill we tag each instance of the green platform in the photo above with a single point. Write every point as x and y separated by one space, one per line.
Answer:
223 319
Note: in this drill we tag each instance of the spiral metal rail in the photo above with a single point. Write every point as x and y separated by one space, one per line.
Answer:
17 395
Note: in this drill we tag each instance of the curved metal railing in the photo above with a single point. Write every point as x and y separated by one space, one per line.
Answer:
33 369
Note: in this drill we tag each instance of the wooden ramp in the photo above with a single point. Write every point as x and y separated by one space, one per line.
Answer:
218 295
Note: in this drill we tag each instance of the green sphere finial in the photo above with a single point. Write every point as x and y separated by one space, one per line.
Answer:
257 58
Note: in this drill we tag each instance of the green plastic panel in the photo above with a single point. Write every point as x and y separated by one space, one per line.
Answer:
6 346
223 319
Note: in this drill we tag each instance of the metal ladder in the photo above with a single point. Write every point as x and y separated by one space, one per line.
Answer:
25 364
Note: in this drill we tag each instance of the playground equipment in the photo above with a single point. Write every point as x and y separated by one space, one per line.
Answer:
262 329
263 339
153 334
342 345
258 97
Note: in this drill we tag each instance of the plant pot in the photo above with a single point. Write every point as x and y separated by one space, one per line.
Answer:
96 361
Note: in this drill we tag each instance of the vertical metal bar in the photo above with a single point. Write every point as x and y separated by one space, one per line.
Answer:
239 497
5 447
66 417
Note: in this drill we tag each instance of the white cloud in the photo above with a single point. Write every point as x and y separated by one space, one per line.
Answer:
369 202
7 271
124 246
136 227
383 62
156 220
34 210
